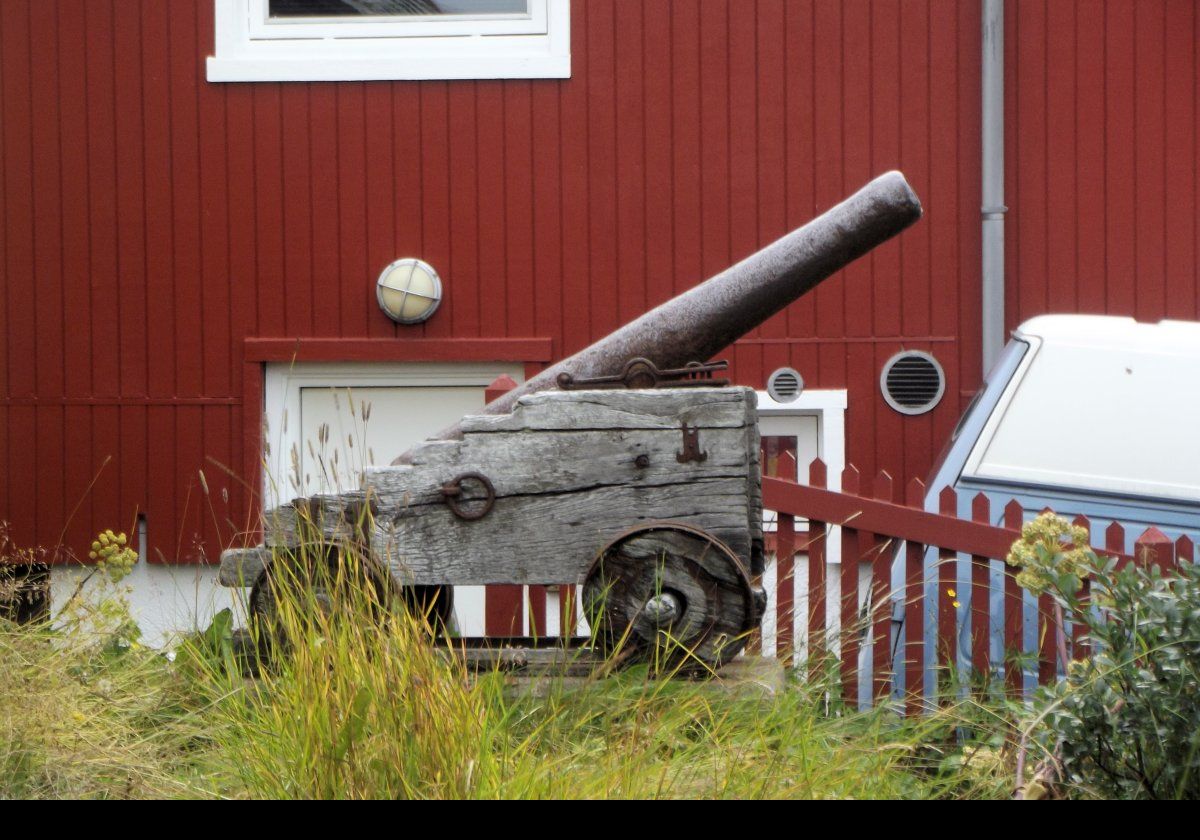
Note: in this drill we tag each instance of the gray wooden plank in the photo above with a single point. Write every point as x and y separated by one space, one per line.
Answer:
560 462
646 409
242 566
551 538
315 519
568 478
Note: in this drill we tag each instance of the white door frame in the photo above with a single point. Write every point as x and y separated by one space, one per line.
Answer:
829 408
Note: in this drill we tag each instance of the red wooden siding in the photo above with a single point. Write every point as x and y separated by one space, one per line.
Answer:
152 222
1102 153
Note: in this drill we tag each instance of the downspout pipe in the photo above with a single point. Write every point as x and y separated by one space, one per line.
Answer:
992 210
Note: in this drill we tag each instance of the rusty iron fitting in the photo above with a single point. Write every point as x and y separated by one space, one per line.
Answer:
664 609
453 490
691 446
640 372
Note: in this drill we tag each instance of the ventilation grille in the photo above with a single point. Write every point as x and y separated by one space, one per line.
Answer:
912 382
785 385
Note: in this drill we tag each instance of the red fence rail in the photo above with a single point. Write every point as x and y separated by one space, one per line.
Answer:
908 577
890 596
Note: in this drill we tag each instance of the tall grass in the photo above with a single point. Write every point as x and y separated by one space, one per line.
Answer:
352 700
89 714
356 703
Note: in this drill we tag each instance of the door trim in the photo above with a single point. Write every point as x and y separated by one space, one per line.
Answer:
829 407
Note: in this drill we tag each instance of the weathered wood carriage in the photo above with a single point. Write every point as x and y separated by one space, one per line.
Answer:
648 496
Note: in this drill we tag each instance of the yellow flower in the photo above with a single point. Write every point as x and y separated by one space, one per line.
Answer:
1049 547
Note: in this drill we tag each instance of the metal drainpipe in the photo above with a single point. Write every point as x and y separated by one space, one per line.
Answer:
993 209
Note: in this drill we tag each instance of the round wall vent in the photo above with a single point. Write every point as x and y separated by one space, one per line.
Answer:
912 382
785 385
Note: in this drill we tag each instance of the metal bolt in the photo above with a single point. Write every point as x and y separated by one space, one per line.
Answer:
663 610
642 461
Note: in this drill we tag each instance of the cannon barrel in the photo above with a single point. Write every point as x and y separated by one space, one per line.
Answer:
696 324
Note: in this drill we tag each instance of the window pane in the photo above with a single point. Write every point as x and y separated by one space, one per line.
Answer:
394 8
779 455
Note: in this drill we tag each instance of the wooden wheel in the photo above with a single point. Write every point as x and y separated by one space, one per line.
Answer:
314 581
434 603
676 594
323 581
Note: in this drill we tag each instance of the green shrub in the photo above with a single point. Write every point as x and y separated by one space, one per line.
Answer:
1125 723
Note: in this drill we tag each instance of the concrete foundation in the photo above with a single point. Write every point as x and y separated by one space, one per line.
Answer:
165 600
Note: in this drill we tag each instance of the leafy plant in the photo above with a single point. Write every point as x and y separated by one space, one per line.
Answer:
87 711
99 603
1126 720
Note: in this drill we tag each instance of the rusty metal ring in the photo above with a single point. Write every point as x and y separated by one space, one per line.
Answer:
452 495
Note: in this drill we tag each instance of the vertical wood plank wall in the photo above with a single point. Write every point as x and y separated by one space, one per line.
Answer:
1102 153
151 221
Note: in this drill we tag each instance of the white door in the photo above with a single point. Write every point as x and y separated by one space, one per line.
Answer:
325 422
796 436
345 429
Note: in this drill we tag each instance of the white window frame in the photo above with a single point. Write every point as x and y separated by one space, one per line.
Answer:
251 48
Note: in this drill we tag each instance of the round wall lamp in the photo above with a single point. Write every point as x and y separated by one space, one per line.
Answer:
409 291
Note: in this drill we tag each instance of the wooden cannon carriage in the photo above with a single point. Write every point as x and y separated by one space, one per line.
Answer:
649 497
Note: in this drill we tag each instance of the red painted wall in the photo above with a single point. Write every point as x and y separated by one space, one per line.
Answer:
1102 153
152 222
